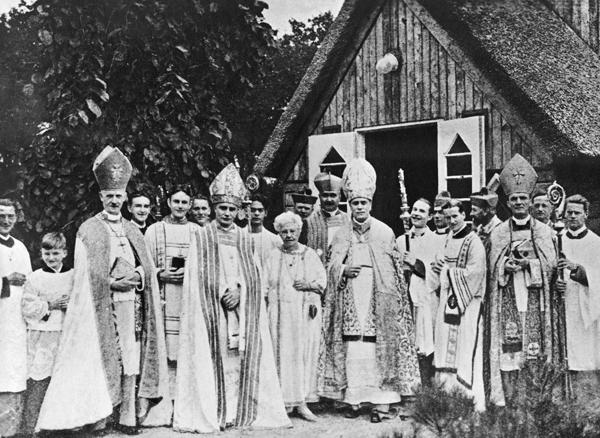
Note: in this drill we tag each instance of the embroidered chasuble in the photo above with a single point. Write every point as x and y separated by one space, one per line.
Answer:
106 336
290 310
13 342
321 228
522 313
367 353
422 286
582 300
458 356
230 376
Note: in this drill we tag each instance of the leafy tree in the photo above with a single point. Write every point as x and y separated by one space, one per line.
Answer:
142 76
252 120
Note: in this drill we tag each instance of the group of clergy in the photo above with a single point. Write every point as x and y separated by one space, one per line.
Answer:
205 325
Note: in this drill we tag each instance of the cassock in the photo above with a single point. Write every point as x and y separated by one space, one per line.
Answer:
522 317
13 341
367 353
582 305
422 286
290 314
230 376
458 356
109 339
167 240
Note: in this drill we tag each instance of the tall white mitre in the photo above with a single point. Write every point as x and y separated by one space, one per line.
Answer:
112 169
228 186
359 180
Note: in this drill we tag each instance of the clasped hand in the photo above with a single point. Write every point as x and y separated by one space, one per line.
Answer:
564 263
302 285
125 284
514 265
437 266
16 279
231 297
171 275
59 304
409 259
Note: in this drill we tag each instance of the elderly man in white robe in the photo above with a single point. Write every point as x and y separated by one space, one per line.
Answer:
15 265
296 280
419 248
581 288
461 267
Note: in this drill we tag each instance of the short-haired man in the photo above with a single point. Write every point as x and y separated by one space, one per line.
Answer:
200 211
263 240
327 220
113 346
138 205
541 208
304 204
168 242
461 270
581 288
15 265
483 214
423 245
522 312
439 219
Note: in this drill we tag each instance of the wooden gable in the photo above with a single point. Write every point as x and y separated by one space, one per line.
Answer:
436 81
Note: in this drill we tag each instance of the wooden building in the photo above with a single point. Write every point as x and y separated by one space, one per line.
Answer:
478 81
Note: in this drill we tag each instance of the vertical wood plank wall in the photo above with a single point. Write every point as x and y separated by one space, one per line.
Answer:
429 85
583 16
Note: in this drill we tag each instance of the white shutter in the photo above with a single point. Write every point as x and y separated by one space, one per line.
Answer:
320 146
453 136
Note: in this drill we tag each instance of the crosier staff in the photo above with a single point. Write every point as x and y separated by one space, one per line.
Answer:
556 196
404 215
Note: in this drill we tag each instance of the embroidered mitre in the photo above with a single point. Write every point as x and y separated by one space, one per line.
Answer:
518 176
228 186
359 180
112 169
326 182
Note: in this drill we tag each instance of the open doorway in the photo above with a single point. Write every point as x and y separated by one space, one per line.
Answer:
412 148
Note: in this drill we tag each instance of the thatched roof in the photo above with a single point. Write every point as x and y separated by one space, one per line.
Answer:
529 54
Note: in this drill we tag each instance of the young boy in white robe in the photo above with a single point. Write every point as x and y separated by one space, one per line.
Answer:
45 298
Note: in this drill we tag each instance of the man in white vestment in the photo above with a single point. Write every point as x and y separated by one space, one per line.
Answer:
168 242
263 241
581 288
423 245
461 268
15 265
230 378
112 348
440 223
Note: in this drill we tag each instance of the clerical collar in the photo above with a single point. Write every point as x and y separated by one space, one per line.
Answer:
62 269
462 232
361 227
577 234
141 227
417 232
331 214
442 230
111 217
171 220
7 241
521 222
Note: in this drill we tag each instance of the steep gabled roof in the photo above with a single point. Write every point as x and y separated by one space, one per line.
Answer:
532 58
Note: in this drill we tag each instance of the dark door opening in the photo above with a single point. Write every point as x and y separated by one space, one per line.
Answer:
413 149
